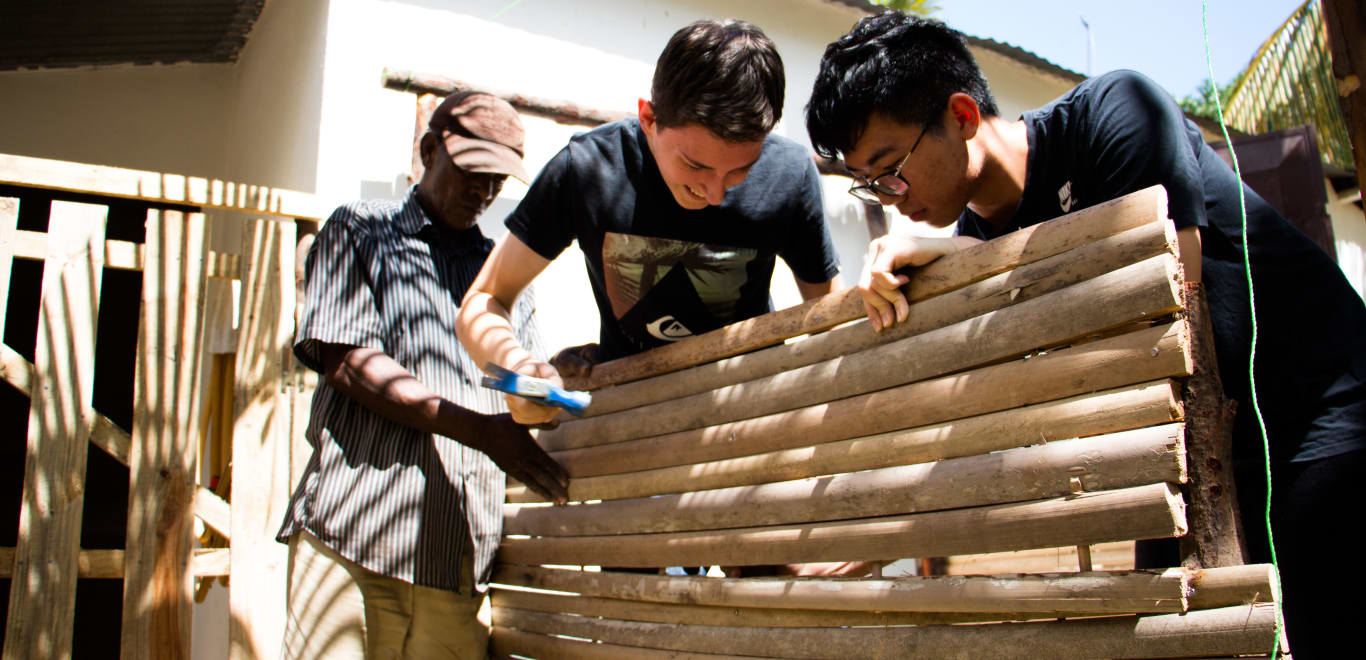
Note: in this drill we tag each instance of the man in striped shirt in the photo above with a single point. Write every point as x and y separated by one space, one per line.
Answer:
394 524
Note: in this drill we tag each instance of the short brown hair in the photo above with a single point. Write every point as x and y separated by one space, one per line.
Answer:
724 75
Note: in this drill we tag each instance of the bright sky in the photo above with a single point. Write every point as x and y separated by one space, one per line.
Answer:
1163 39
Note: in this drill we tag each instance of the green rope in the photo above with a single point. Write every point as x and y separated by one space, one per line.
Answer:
506 7
1252 304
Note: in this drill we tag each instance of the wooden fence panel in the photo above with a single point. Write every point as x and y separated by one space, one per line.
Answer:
261 441
157 576
43 590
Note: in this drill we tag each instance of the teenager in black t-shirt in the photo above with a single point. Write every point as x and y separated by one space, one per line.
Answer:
903 101
679 214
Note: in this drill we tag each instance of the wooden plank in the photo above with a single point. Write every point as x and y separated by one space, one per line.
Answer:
1216 537
1153 511
1107 462
1146 290
59 424
109 563
124 255
1111 411
1136 357
1248 629
157 187
1091 593
1234 585
213 510
1024 283
1345 26
1114 556
9 226
261 444
158 583
504 642
15 370
559 110
953 271
780 614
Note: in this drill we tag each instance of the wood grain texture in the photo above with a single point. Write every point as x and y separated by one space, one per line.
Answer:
261 443
996 292
1109 411
1135 357
1153 511
956 270
158 582
1146 290
1107 462
505 641
59 425
9 227
1248 629
1092 593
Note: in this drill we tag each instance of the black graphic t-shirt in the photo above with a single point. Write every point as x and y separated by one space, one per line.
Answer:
1120 132
661 273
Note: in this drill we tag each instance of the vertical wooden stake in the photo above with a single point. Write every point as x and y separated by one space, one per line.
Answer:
1216 533
1083 551
42 598
9 225
158 583
260 442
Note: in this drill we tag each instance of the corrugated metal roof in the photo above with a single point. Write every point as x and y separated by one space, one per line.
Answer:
1013 52
68 33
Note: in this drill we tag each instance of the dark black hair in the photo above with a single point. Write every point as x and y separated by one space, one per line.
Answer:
725 75
896 64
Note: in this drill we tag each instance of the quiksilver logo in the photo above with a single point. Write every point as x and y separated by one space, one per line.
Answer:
668 328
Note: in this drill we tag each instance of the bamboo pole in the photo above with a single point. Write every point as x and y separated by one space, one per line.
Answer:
1234 585
998 291
1140 356
504 642
1111 411
1248 629
959 269
1153 511
42 596
1076 594
1145 290
1108 462
158 585
261 444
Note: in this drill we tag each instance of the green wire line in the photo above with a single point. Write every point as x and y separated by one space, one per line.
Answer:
506 7
1252 304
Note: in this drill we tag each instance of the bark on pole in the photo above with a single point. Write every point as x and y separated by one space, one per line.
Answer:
1345 23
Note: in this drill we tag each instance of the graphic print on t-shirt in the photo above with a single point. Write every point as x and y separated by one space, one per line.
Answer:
668 289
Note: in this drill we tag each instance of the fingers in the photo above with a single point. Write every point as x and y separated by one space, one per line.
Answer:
529 413
880 285
571 363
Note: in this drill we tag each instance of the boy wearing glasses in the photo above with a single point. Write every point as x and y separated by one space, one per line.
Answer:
903 101
679 213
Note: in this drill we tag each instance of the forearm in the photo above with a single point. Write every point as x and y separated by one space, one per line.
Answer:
811 290
485 330
382 385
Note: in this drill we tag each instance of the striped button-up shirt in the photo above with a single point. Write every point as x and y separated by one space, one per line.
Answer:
395 500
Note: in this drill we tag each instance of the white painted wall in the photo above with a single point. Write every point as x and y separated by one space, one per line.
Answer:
1349 236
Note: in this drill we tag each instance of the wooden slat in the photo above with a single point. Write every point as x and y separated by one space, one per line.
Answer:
213 510
959 269
1131 407
125 255
504 642
261 445
1234 585
15 370
1141 291
158 583
157 187
1107 462
59 425
1154 511
1144 355
1024 283
1079 594
9 226
109 563
710 615
1248 629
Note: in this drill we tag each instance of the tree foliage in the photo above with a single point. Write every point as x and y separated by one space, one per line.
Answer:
921 7
1201 103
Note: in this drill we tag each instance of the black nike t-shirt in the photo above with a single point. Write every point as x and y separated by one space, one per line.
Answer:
1120 132
661 273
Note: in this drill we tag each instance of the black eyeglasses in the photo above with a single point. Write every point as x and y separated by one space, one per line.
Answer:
891 184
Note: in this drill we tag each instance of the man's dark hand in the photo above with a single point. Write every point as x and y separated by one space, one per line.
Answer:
514 450
576 361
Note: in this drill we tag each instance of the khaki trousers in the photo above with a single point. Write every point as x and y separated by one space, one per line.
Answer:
338 609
